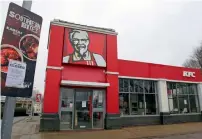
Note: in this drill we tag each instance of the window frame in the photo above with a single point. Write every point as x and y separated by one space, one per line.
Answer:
138 87
185 88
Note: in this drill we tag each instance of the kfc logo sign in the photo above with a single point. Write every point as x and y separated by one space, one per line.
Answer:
38 97
85 48
188 74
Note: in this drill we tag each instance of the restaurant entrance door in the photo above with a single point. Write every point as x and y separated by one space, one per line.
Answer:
82 109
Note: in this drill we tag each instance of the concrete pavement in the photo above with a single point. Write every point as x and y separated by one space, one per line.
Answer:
186 136
30 130
15 120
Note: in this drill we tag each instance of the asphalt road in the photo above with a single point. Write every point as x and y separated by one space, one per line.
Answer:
186 136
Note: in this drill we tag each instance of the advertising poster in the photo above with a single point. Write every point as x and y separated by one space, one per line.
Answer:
20 42
84 48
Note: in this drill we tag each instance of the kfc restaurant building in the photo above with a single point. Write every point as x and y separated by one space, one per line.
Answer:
88 87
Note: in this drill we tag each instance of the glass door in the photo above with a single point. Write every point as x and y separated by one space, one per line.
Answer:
98 109
83 109
67 105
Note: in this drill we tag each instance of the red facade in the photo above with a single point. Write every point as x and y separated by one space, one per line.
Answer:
57 70
156 71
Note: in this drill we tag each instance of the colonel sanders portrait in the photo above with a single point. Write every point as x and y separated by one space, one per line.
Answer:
82 55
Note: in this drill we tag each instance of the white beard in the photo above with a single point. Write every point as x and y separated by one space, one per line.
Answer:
82 51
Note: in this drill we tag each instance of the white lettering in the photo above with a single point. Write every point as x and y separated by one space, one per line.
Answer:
12 14
17 16
188 74
27 23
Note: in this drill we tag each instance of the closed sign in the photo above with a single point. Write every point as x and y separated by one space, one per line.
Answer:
188 74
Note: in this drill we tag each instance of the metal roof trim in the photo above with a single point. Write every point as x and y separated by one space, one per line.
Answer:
84 27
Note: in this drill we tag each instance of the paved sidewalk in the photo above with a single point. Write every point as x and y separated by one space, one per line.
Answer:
30 130
186 136
17 119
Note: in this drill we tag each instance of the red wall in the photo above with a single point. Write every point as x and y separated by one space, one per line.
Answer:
83 73
52 91
53 77
112 96
55 46
149 70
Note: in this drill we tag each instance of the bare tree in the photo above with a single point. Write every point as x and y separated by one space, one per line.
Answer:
195 61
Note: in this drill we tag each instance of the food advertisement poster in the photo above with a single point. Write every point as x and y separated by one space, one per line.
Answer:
20 42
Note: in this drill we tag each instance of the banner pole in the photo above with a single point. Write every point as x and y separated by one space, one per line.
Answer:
8 115
10 102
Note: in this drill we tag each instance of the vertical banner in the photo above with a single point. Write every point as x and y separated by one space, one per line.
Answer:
20 42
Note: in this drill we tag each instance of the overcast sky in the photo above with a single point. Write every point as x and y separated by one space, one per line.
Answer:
157 31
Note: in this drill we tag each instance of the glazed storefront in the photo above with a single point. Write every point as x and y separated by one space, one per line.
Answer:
88 87
82 108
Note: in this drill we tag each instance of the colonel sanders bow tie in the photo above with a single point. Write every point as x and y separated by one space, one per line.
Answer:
82 56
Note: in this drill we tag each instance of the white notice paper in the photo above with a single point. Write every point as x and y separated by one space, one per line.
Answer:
140 105
71 105
83 104
16 74
185 101
100 98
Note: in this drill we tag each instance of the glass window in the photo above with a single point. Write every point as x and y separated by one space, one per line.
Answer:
98 120
131 86
183 104
124 103
150 104
149 87
192 89
173 105
66 120
83 100
184 89
179 88
182 98
121 86
67 103
139 97
138 86
137 104
146 86
67 98
98 99
152 87
194 106
174 89
126 85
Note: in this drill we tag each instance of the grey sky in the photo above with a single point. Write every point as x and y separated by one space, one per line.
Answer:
157 31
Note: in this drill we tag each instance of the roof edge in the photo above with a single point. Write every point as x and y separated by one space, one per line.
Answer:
158 64
83 27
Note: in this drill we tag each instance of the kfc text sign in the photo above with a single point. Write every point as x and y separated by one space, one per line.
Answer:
188 74
38 97
85 48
